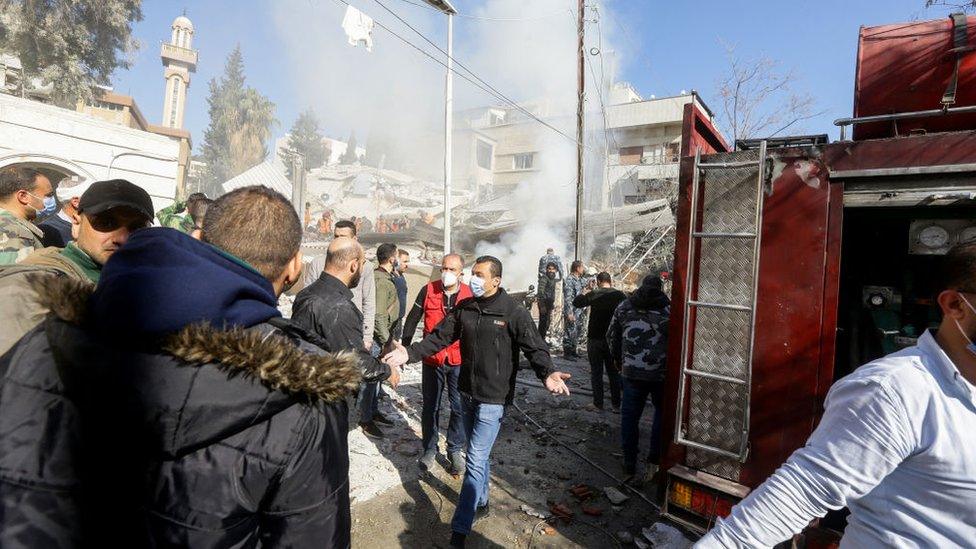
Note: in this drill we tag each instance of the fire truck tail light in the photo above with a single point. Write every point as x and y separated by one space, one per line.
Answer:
681 495
702 502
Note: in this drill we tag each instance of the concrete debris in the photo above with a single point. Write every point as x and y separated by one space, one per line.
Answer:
662 534
532 511
581 491
615 496
641 544
625 537
561 511
591 511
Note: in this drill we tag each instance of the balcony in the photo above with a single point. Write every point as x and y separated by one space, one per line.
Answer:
643 171
185 56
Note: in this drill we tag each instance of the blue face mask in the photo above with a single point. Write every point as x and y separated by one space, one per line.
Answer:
50 204
477 286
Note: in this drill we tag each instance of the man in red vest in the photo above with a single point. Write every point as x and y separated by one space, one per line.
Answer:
433 303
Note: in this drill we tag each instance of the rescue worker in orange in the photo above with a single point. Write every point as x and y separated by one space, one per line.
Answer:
433 303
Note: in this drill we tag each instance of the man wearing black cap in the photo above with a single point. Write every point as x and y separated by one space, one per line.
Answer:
109 211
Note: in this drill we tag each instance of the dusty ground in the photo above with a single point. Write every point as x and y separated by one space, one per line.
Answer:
394 505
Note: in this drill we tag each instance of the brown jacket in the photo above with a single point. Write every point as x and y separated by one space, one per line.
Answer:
20 306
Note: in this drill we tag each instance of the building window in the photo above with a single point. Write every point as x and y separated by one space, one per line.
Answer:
495 119
522 161
631 155
174 102
485 152
671 153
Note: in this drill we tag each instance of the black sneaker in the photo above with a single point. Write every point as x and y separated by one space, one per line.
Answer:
372 430
482 512
457 540
380 418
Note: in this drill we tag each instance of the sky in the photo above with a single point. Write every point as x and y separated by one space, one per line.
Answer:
295 54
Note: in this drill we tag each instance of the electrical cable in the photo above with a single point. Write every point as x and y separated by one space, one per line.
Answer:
491 90
482 18
619 482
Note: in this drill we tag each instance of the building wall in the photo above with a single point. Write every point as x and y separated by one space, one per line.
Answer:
75 143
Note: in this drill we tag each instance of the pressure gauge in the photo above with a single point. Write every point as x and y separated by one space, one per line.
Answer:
968 235
933 237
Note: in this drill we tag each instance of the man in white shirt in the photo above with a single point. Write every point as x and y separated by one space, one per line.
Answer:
896 445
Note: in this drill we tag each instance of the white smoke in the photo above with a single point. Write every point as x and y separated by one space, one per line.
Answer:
531 60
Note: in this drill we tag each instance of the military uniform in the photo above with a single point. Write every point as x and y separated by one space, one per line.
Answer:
18 238
572 287
172 216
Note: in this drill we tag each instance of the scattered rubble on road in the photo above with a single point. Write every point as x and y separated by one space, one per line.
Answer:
398 506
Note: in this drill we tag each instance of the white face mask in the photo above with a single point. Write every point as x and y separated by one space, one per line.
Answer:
449 279
971 347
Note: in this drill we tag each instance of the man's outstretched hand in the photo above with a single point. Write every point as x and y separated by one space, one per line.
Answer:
556 383
397 356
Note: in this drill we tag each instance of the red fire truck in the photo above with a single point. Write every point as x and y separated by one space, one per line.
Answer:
798 260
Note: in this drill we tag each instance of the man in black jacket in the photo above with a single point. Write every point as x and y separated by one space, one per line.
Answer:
602 301
173 407
326 308
492 328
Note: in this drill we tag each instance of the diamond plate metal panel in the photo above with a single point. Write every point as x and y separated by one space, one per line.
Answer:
721 339
721 342
725 271
729 195
715 464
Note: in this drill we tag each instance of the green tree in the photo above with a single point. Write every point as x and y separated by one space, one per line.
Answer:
240 125
350 156
305 139
71 45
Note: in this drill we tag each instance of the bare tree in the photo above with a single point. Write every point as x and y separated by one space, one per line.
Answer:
758 100
968 5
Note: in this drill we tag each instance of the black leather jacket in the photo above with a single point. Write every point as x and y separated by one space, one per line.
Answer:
492 332
325 308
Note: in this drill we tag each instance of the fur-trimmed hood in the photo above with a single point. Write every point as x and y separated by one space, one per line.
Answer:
202 384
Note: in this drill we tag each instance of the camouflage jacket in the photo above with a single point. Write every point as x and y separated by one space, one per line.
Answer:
18 238
171 217
545 260
572 287
638 338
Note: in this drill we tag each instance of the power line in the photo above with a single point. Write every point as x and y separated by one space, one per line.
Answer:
488 91
482 18
494 91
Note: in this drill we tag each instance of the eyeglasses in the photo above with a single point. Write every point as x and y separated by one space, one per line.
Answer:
112 220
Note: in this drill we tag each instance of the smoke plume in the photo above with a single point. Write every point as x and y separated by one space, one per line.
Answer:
526 50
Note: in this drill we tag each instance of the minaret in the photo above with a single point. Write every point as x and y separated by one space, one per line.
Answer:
179 60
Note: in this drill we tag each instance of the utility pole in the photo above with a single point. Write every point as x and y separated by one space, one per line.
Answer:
445 7
580 96
448 131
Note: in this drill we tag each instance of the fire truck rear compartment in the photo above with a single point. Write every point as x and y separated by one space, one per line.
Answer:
891 260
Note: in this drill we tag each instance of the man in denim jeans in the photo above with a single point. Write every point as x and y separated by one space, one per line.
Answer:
491 328
638 340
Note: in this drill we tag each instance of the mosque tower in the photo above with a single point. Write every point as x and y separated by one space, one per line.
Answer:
179 60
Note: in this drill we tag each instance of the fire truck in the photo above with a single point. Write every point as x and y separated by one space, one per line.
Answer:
797 260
